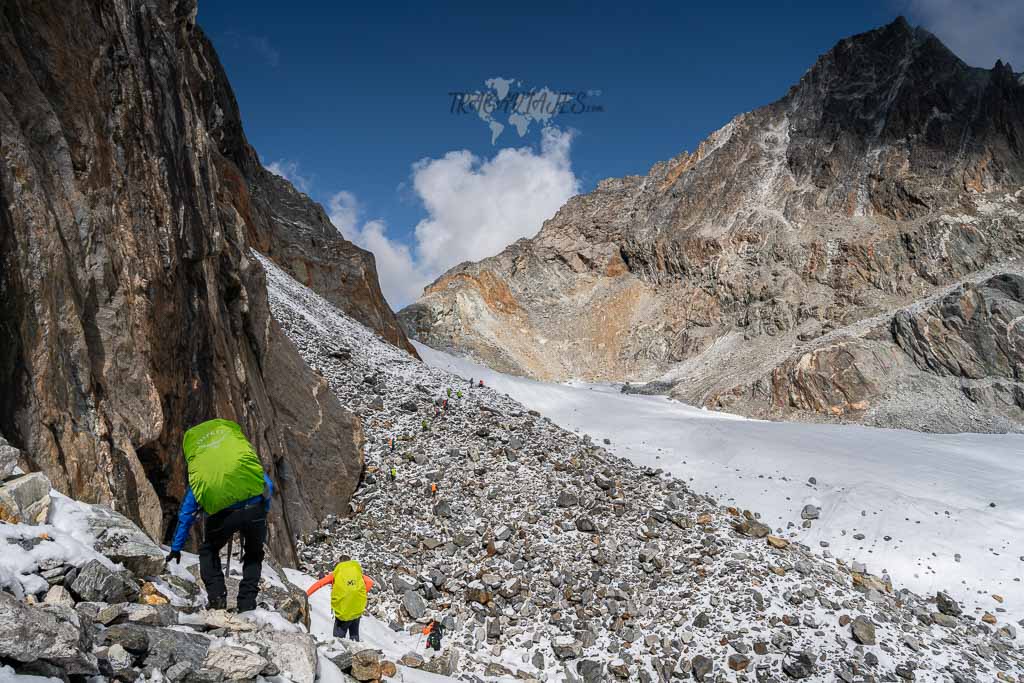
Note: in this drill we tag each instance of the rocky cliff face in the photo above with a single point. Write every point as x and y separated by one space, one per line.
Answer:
289 227
890 172
130 304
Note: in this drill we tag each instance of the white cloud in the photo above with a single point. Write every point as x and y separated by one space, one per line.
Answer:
289 170
401 278
476 207
978 31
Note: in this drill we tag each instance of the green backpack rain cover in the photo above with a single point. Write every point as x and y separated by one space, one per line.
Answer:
348 594
223 468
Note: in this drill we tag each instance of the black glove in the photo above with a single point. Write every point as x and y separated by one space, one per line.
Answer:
173 555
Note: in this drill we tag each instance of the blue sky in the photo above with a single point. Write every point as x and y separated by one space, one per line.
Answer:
352 103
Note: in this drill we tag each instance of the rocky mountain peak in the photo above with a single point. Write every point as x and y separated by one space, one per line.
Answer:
888 173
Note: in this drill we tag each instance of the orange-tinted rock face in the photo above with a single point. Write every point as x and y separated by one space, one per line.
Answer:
130 305
890 172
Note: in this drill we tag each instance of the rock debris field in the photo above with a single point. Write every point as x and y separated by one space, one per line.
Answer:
548 558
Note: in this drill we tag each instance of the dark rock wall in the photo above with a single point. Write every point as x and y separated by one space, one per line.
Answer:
130 307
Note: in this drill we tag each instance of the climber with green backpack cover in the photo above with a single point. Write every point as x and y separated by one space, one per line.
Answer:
226 481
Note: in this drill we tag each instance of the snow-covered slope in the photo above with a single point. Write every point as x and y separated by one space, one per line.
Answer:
549 557
950 504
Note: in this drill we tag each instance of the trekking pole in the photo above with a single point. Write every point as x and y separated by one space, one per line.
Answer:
231 539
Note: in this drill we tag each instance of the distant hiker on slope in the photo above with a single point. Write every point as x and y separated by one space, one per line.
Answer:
348 596
226 481
434 631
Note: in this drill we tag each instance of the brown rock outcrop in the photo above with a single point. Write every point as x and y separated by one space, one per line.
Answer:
130 305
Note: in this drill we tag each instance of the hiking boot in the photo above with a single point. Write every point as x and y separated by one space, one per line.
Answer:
246 607
219 602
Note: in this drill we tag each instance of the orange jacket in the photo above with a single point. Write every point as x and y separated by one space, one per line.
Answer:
329 579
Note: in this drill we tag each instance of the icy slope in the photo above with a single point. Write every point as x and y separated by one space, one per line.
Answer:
929 493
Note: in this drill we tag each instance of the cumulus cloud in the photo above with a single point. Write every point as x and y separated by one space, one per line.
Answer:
978 31
289 170
475 207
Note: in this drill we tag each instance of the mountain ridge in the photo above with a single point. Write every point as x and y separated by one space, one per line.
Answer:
889 170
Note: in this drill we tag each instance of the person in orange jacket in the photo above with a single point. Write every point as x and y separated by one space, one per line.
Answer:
349 587
434 631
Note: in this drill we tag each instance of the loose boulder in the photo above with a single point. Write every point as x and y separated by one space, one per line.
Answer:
947 605
366 665
294 654
123 542
96 583
863 630
236 663
25 499
31 634
8 459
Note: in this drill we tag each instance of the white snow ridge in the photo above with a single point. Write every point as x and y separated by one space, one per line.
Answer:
551 554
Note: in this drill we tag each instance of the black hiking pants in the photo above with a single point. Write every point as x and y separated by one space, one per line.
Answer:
251 522
347 629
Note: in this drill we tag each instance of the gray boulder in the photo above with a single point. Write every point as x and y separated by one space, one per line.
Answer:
586 525
567 499
863 630
236 663
414 605
8 459
566 647
123 542
445 664
31 634
947 605
96 583
701 666
294 654
120 661
590 670
168 647
25 499
810 512
800 665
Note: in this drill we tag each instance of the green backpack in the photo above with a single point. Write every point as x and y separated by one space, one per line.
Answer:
223 468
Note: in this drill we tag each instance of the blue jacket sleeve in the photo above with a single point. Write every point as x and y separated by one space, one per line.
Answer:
270 492
186 517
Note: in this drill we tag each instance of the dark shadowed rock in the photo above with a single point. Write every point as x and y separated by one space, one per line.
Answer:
701 668
947 605
96 583
150 264
799 665
31 634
